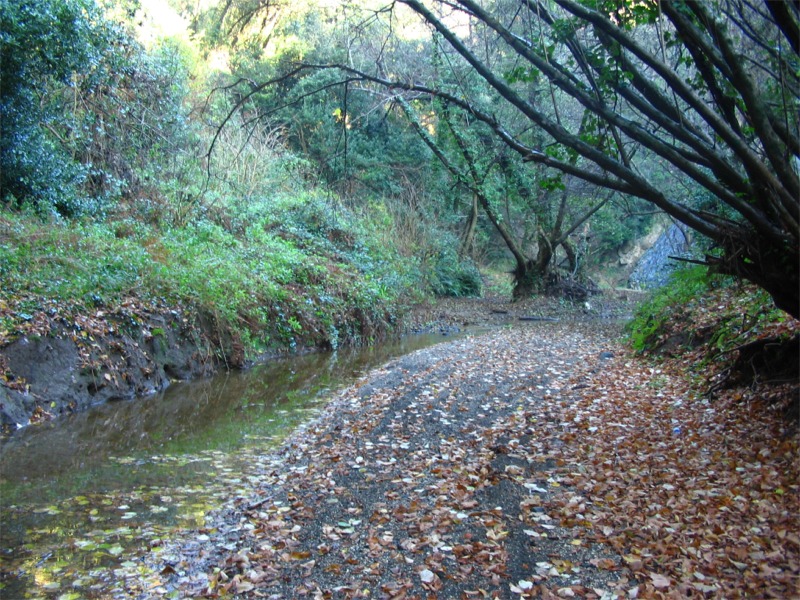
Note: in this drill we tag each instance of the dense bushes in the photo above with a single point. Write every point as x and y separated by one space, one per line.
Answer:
116 183
88 115
452 275
292 275
44 47
302 270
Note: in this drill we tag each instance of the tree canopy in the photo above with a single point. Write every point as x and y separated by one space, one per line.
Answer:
690 106
524 122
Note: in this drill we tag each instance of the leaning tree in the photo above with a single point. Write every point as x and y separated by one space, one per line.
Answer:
706 91
531 274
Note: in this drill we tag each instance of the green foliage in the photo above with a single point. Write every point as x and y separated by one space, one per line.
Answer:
522 74
453 275
107 141
498 283
627 14
726 332
612 228
748 316
43 45
647 328
138 135
552 183
88 116
301 272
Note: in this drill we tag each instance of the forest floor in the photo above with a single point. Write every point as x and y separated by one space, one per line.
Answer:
539 460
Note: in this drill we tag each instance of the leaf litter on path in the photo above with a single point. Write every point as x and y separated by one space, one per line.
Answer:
539 461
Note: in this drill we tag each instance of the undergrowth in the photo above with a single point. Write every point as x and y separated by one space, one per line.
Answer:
652 323
724 333
298 271
697 308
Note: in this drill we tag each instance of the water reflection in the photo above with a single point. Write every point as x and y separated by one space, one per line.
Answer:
218 413
79 493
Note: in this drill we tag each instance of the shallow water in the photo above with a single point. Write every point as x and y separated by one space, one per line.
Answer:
82 497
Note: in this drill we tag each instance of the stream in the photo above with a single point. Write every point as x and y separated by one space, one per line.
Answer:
82 497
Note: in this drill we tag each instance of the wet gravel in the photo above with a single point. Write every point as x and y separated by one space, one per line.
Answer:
432 477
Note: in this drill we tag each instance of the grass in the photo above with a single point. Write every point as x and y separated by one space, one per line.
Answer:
296 274
702 309
265 260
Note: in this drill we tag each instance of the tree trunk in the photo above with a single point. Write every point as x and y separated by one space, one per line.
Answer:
771 267
572 257
468 236
530 276
752 175
527 281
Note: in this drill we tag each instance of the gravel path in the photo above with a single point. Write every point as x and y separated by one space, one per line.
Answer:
535 461
432 477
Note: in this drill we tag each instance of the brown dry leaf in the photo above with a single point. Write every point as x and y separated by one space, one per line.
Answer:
660 581
600 464
603 563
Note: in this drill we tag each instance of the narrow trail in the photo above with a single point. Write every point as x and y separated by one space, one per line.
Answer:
536 461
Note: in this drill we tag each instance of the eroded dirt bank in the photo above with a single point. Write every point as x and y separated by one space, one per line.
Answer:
61 363
58 365
536 461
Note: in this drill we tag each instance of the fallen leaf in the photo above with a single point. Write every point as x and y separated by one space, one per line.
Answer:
660 581
426 576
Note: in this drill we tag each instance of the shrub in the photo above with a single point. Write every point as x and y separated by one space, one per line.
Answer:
648 328
44 47
452 275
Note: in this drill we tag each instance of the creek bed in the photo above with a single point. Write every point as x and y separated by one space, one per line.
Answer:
82 498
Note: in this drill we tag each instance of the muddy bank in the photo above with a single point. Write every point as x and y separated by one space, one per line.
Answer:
59 366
